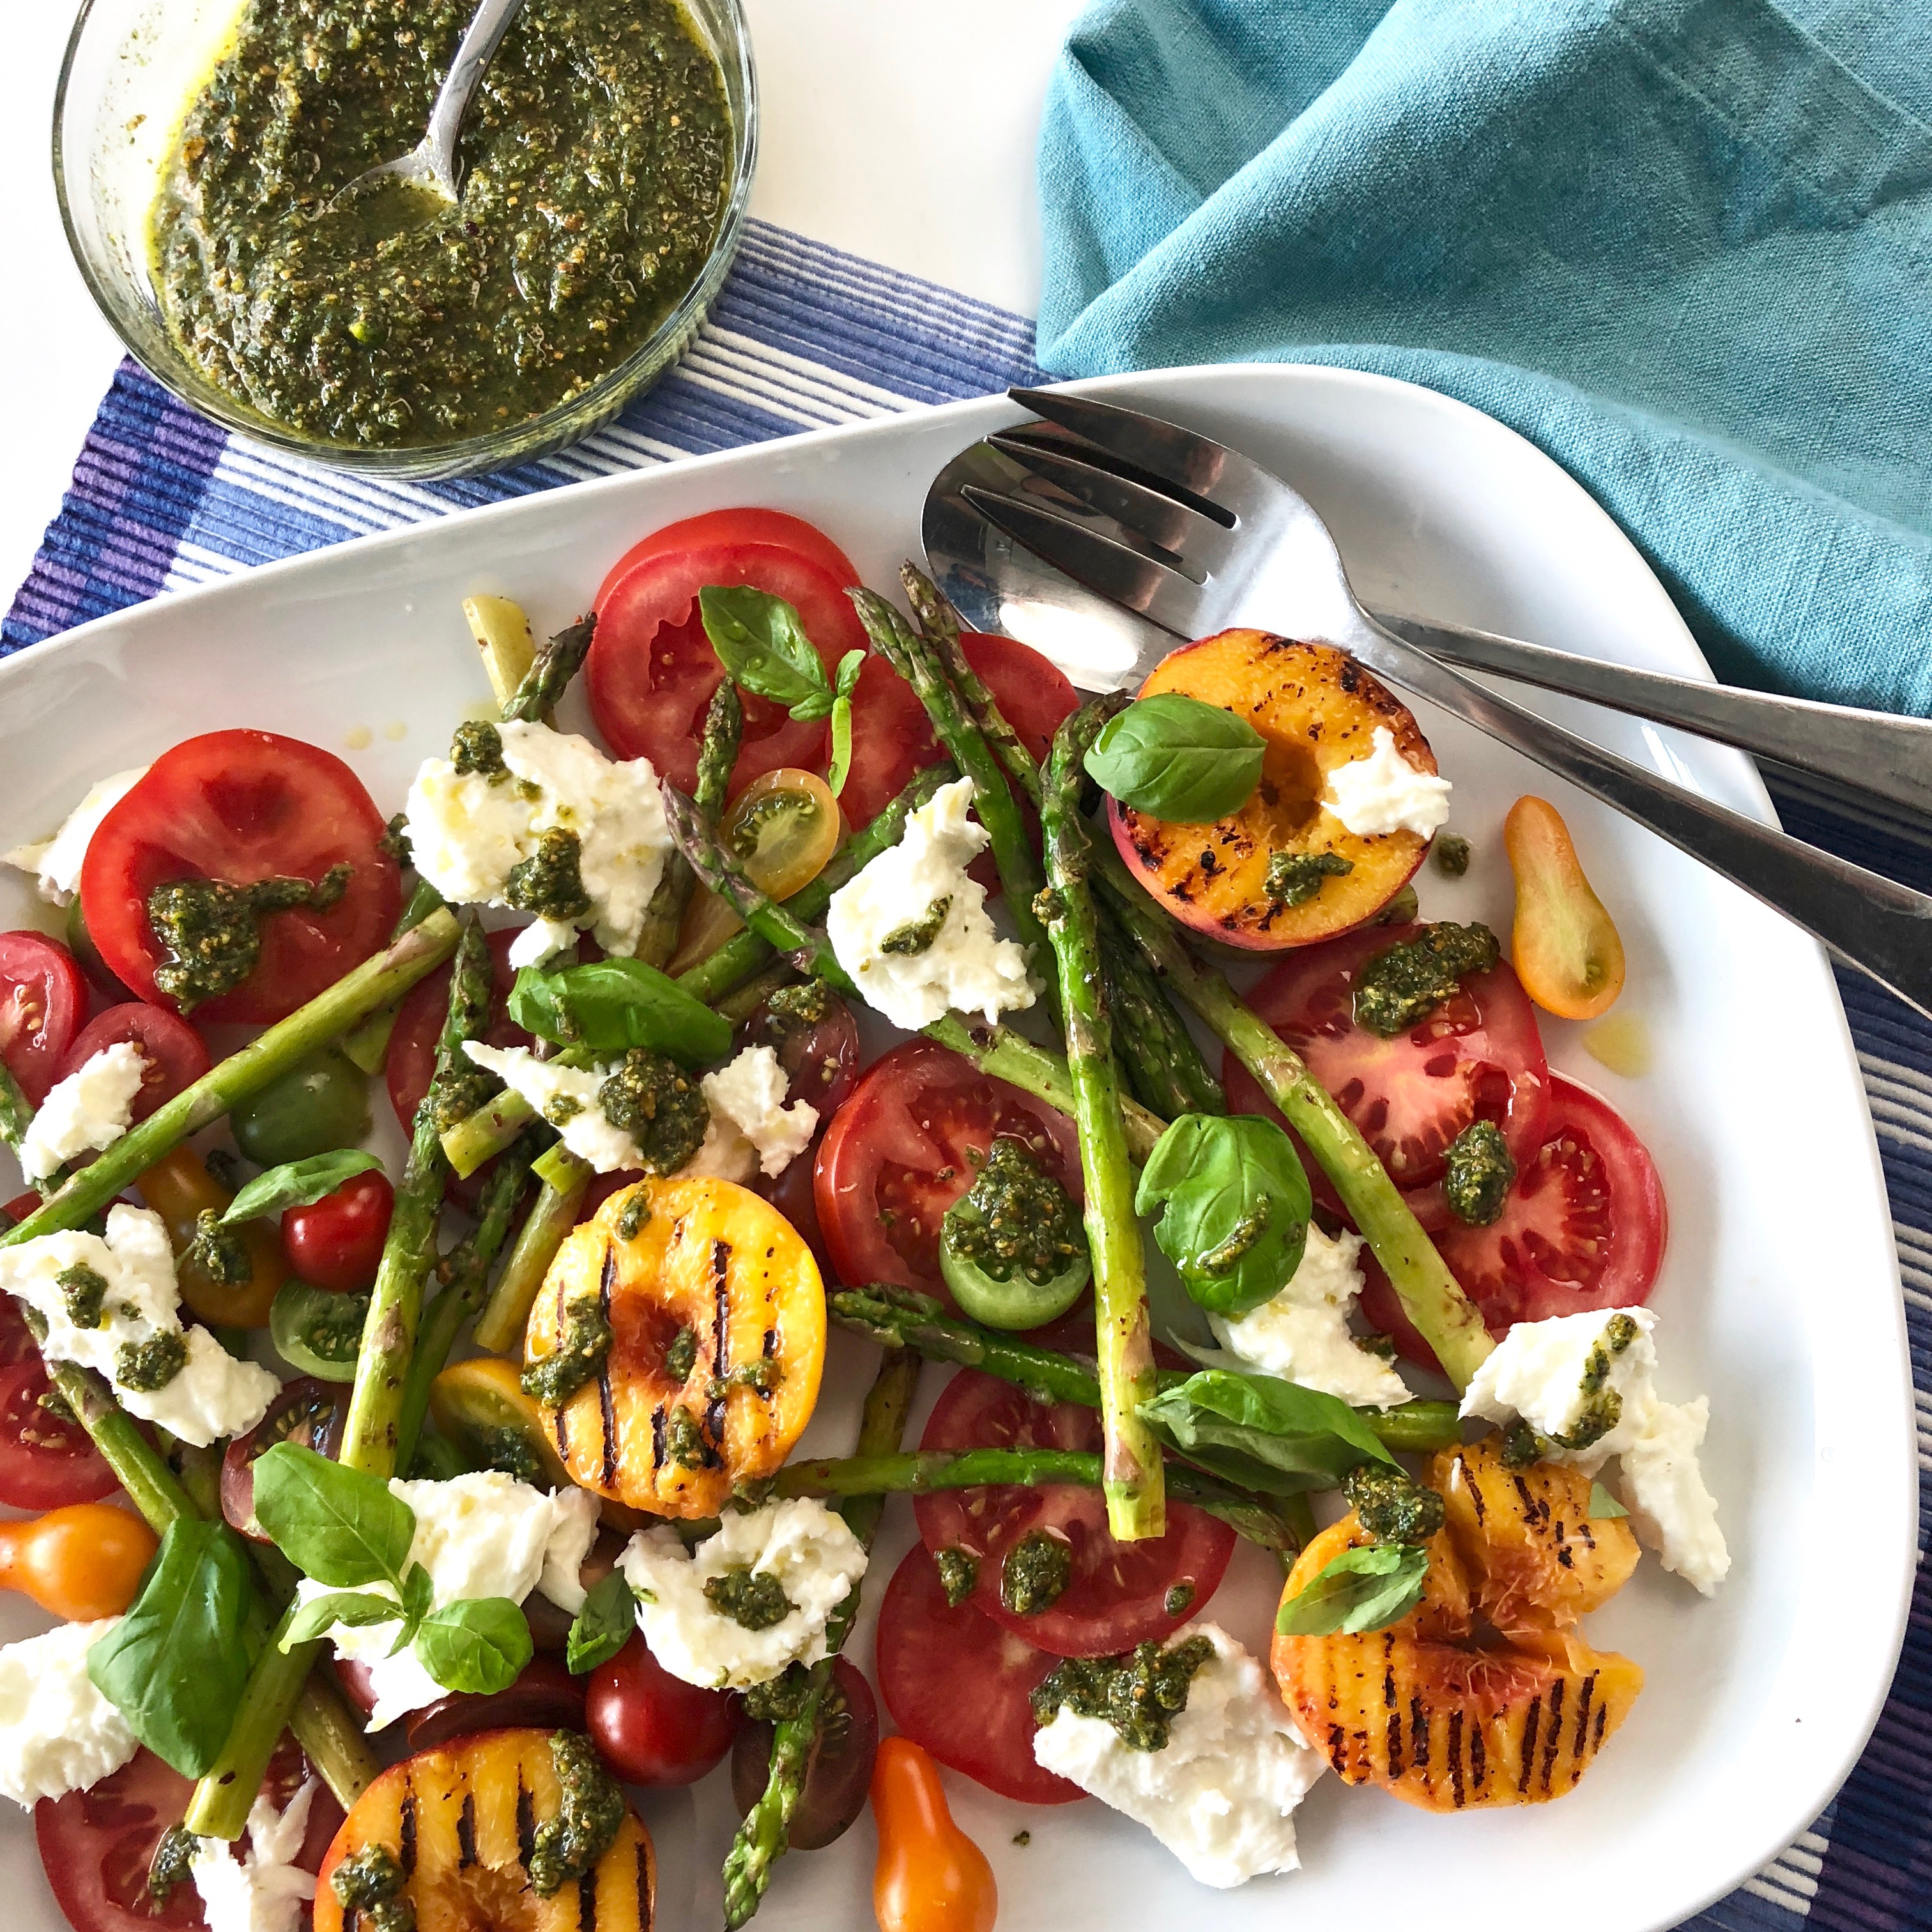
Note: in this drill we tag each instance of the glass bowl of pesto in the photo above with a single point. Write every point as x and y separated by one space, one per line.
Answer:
607 164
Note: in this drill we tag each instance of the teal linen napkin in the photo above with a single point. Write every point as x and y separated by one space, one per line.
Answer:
1685 246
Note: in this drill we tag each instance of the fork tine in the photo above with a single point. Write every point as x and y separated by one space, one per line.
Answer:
1164 450
1110 570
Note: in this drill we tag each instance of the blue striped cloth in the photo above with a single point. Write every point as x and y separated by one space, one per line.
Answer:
803 338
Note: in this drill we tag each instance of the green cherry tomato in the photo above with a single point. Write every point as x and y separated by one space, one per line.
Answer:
321 1102
317 1331
1019 1301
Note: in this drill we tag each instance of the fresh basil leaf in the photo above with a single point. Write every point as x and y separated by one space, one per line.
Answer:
296 1184
761 643
1365 1589
611 1005
845 680
840 769
359 1609
341 1526
603 1626
175 1665
1178 759
1234 1203
1603 1506
480 1644
418 1593
1263 1433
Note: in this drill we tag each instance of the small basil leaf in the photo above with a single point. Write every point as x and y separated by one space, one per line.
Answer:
174 1666
418 1593
359 1609
479 1645
296 1184
603 1626
1177 759
761 643
1603 1506
341 1526
1234 1203
1365 1589
808 710
611 1005
845 680
1263 1433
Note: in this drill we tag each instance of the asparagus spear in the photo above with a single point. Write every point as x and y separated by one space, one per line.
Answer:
555 663
762 1836
939 627
1122 1329
563 1179
717 754
1430 1295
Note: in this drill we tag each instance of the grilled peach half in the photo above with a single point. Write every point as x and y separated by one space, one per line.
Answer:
460 1822
1316 709
1484 1694
717 1313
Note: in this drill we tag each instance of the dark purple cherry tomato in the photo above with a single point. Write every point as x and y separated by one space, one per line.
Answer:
839 1772
545 1697
308 1411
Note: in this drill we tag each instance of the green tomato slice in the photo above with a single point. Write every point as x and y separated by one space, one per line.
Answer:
1018 1302
317 1332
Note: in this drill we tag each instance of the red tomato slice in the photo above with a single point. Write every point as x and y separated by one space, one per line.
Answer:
1116 1597
176 1054
651 670
891 737
42 1000
958 1685
410 1063
45 1461
1478 1056
772 527
244 806
97 1845
905 1147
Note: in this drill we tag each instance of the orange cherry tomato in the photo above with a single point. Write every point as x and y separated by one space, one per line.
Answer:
1564 946
178 1187
80 1562
931 1877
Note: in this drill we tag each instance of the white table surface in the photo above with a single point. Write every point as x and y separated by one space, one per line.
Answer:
902 130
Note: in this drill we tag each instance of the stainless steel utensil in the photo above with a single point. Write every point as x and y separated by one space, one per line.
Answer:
1174 535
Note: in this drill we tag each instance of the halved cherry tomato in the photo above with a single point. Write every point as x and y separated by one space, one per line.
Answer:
1478 1057
821 1060
544 1695
838 1770
411 1063
97 1845
79 1562
337 1242
179 1188
1568 952
45 1460
308 1411
1116 1595
652 1728
176 1055
244 806
906 1146
959 1684
42 998
17 1339
651 669
930 1876
746 526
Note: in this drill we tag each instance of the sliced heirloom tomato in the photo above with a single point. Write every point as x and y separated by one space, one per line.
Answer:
1478 1057
244 806
43 998
1117 1594
907 1145
777 528
97 1845
958 1684
46 1459
176 1055
651 670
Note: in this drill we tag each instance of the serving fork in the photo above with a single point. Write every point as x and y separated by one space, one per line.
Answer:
1167 535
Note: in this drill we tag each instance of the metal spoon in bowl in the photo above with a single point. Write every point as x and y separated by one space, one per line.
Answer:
429 168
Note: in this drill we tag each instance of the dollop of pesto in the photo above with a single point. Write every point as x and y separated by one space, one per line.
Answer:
476 751
1015 1216
1036 1571
1391 1505
659 1105
1293 878
684 1439
84 1296
1521 1445
220 1253
210 930
582 1349
759 1375
394 841
681 1358
916 935
958 1574
754 1598
786 1696
633 1218
1400 987
549 884
510 1452
1602 1408
1179 1600
1480 1172
458 1091
1140 1694
371 1883
794 1008
589 1816
1451 855
146 1366
174 1851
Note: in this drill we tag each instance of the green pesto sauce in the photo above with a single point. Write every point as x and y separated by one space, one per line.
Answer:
1451 855
685 1445
146 1366
371 1883
654 1101
787 1696
633 1218
1399 988
761 1376
457 1091
793 1009
1179 1600
1293 878
210 930
958 1574
1036 1570
219 1253
568 1846
754 1598
1015 1216
681 1358
84 1295
595 164
581 1350
1602 1408
916 935
549 884
1479 1173
511 1452
476 751
174 1851
1140 1694
1391 1505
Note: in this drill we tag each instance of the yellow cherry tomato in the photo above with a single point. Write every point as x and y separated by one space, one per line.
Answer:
930 1877
81 1562
178 1187
1564 945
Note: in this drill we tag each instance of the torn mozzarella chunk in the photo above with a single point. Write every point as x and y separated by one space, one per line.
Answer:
749 1092
93 1107
57 1733
1382 792
55 862
566 1096
264 1890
